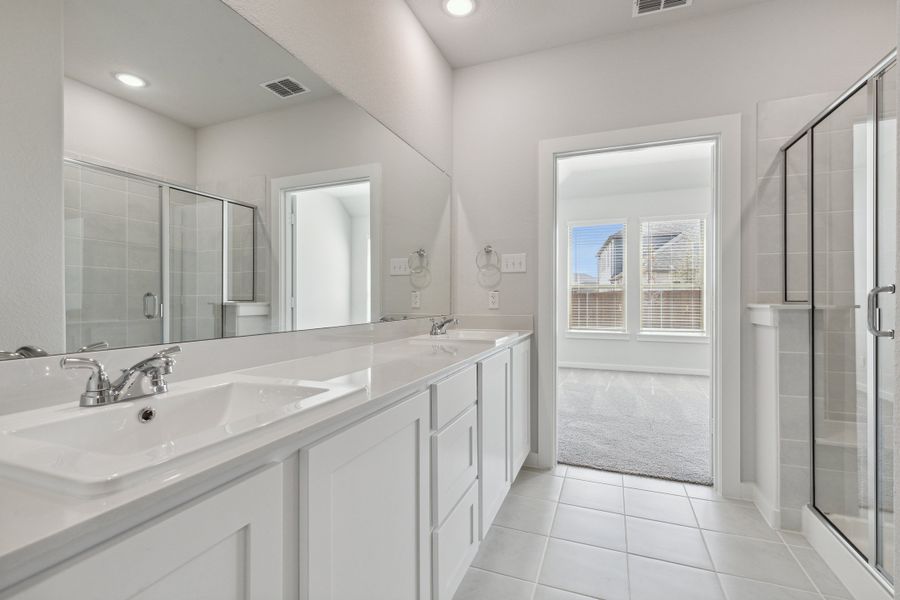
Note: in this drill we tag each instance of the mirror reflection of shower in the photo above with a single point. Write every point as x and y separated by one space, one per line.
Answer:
148 262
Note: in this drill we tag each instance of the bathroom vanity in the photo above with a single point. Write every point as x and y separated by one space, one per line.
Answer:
382 491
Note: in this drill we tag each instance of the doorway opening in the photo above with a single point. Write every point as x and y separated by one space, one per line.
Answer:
331 220
634 320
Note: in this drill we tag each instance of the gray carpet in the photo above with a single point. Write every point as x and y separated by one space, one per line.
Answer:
641 423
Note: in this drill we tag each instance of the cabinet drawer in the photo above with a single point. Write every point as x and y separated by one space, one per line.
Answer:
453 395
455 456
454 545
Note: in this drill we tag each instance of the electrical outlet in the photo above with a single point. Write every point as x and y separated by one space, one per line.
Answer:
513 263
415 299
399 266
494 300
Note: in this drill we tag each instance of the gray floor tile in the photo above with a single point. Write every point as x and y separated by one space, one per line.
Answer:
482 585
652 484
706 492
794 538
594 572
525 513
537 485
738 588
659 507
665 541
656 580
598 496
755 559
730 517
548 593
511 552
594 475
588 526
822 576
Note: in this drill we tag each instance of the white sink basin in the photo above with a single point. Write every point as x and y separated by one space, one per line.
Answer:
96 450
490 336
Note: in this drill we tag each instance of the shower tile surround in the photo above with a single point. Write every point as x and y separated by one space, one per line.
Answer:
112 227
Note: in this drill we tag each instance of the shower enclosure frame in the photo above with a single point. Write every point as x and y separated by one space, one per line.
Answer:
870 83
164 190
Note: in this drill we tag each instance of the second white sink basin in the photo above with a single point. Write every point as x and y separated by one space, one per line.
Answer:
490 336
95 450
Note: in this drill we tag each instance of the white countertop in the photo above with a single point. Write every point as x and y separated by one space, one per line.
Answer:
39 528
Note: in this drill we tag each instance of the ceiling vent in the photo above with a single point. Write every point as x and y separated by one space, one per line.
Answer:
647 7
284 87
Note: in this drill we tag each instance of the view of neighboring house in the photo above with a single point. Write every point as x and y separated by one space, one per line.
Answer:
672 273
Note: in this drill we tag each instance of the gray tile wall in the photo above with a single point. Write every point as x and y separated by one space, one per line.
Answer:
112 254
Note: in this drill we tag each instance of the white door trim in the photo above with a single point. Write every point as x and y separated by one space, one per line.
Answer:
725 263
281 230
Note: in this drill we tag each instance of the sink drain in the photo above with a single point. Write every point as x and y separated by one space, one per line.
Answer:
146 414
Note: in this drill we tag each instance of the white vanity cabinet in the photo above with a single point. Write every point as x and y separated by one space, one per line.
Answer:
493 428
226 545
365 506
520 405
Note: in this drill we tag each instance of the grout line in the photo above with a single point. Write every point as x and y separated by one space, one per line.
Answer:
708 553
627 554
802 568
540 568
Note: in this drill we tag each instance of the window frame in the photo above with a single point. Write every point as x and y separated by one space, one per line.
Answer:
623 332
662 335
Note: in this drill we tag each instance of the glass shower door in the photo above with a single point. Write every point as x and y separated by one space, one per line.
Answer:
853 244
195 280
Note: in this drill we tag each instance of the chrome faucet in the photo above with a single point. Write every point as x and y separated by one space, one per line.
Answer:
130 384
439 327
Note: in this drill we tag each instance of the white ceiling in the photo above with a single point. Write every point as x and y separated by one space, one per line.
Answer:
652 169
203 61
503 28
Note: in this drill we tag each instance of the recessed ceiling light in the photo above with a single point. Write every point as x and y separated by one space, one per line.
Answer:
459 8
131 80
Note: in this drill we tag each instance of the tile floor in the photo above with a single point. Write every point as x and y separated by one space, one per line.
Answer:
579 533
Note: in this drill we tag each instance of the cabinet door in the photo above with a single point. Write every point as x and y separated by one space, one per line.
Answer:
521 405
365 511
225 546
493 428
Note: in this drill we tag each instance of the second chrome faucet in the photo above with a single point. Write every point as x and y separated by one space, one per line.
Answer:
146 378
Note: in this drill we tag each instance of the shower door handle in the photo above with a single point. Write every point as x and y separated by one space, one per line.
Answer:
151 305
873 313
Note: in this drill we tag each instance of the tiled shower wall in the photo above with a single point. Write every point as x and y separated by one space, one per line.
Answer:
112 254
776 122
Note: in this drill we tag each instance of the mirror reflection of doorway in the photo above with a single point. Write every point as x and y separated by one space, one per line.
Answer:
331 221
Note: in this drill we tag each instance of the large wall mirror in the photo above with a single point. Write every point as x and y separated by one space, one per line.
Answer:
214 186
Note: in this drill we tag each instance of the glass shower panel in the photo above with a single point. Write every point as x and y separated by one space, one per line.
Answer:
240 252
796 219
113 259
840 284
195 292
886 274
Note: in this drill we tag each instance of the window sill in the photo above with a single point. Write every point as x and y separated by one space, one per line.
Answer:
597 335
678 338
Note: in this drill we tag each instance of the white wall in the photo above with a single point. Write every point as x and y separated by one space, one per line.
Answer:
105 129
324 239
31 226
629 351
699 68
376 53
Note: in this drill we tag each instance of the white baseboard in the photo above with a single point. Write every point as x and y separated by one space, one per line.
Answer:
766 507
633 368
848 567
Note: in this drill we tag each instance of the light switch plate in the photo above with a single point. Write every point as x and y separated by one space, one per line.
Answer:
513 263
415 299
399 266
494 300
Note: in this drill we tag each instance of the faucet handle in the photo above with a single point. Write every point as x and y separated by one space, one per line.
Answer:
167 352
97 389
